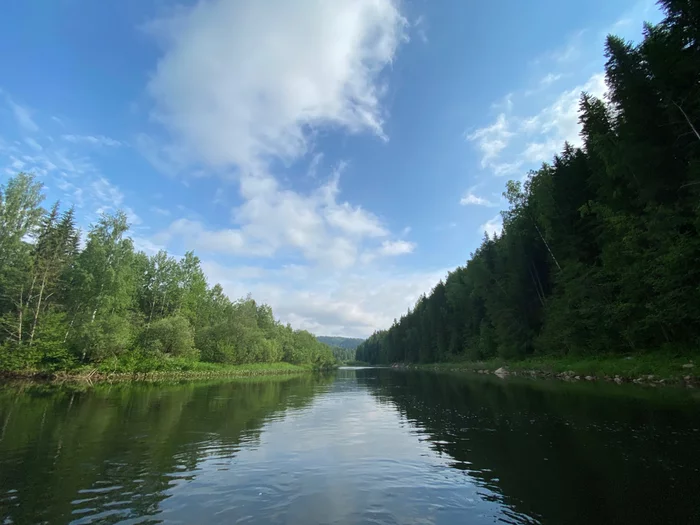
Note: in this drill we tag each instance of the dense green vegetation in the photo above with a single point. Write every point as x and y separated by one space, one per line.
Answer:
63 305
341 342
599 250
343 348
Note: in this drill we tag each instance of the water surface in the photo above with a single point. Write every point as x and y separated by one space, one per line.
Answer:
363 446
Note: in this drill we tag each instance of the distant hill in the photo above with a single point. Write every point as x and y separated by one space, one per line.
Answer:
343 348
348 343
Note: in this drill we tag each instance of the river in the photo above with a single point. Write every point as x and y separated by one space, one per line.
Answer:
359 446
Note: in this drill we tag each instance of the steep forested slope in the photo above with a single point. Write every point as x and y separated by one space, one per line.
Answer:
600 248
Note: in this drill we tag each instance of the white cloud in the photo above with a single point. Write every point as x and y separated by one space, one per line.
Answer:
33 144
73 179
167 159
505 104
273 220
96 140
160 211
513 143
351 220
143 244
566 54
195 235
352 304
520 140
312 170
420 28
492 140
107 192
132 217
244 80
559 122
244 85
507 168
493 226
397 247
471 198
23 115
550 78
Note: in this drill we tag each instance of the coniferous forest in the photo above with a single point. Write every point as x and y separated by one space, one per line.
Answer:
67 301
600 249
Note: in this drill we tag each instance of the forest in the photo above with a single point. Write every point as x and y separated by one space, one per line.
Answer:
343 348
599 249
67 301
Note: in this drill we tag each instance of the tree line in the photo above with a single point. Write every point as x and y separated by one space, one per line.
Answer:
599 250
343 348
66 302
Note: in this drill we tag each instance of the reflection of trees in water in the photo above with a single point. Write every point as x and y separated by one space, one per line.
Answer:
563 453
116 449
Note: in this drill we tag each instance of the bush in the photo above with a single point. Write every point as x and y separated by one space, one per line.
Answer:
170 335
107 337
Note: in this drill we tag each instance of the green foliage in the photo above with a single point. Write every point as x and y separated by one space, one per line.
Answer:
63 308
599 248
170 335
343 355
349 343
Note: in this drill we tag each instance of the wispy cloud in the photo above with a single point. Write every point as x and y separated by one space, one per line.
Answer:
515 142
550 78
33 144
23 115
492 140
471 199
397 247
420 27
95 140
71 177
492 227
160 211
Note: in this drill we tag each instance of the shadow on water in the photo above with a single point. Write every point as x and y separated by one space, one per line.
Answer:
558 452
110 453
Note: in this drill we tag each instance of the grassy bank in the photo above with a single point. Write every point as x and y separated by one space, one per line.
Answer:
656 368
175 369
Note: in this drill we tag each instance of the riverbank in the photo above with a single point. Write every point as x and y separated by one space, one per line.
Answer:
648 369
194 370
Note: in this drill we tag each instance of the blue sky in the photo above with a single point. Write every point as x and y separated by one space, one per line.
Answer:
334 159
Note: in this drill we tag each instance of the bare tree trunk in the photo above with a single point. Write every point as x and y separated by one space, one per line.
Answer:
94 314
546 244
70 326
38 308
536 282
150 315
20 315
687 119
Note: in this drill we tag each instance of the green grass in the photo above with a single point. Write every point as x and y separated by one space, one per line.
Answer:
172 368
661 365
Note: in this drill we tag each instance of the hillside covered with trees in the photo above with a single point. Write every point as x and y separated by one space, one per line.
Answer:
343 348
600 248
65 304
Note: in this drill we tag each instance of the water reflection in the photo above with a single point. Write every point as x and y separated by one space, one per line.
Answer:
117 451
557 452
365 446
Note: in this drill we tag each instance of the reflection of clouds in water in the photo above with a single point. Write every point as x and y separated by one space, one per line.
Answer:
345 458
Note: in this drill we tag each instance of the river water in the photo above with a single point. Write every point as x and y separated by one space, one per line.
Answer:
359 446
